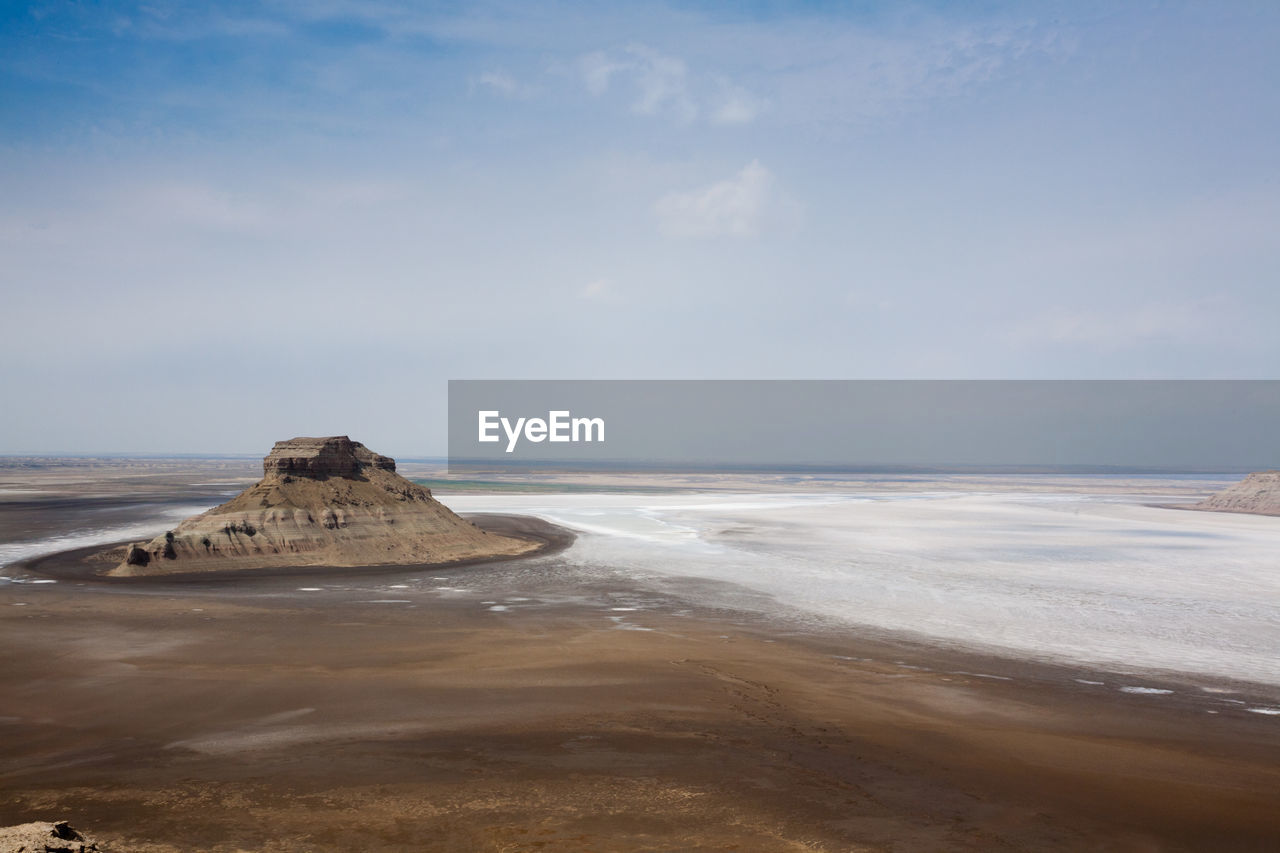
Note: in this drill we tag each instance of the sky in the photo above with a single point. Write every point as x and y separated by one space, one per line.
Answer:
223 224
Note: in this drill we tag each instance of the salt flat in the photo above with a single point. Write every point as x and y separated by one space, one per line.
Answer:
1094 578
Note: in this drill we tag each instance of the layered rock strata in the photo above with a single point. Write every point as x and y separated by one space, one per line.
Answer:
321 502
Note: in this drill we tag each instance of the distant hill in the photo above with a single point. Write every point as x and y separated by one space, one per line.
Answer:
1258 493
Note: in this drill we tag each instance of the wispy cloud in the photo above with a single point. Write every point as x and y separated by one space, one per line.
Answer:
844 72
598 70
800 73
660 83
195 23
599 290
501 83
794 69
736 207
735 105
1123 328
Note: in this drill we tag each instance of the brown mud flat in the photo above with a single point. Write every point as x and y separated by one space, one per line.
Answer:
92 563
411 711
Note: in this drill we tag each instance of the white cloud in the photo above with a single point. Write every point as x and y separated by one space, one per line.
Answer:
501 83
732 208
599 290
597 70
833 71
662 84
737 106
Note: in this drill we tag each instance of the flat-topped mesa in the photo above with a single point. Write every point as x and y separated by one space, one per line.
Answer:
1258 493
324 501
329 456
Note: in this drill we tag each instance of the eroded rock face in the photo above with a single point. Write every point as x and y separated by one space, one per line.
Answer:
331 456
1258 493
321 502
44 837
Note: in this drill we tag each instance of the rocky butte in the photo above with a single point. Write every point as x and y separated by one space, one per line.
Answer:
1258 493
321 502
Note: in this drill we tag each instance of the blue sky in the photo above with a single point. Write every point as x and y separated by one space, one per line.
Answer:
228 223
